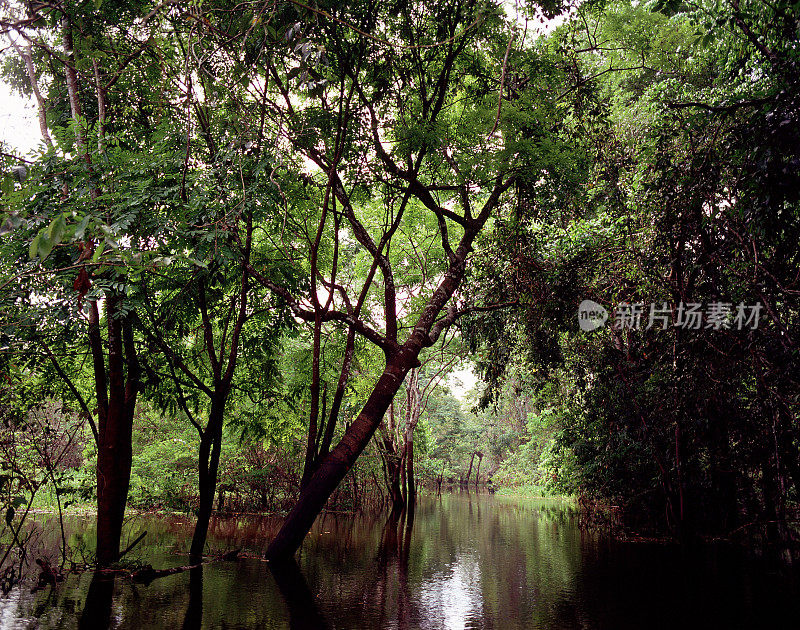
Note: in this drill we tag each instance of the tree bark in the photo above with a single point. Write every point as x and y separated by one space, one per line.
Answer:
425 333
208 463
25 54
469 472
114 449
393 461
413 412
411 495
334 467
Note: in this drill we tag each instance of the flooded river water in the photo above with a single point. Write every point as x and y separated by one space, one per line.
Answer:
465 561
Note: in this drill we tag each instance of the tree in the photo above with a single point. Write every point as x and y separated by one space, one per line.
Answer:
366 92
390 138
680 205
125 198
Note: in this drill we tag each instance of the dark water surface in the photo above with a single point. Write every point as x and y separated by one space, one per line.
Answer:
467 562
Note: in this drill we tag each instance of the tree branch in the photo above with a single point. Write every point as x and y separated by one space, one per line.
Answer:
73 389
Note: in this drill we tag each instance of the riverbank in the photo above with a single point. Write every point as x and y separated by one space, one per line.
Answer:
532 492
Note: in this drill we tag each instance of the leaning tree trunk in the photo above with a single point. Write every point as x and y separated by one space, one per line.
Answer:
339 461
425 333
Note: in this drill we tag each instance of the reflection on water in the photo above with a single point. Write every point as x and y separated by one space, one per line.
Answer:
459 561
99 600
194 609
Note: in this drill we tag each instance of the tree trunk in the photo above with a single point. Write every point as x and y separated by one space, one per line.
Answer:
116 395
394 464
210 445
425 333
311 445
335 466
113 481
114 448
413 412
403 484
411 497
25 54
469 472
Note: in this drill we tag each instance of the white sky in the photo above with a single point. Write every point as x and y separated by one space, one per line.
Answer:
19 127
461 381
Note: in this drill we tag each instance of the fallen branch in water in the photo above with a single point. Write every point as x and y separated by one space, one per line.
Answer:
133 544
147 573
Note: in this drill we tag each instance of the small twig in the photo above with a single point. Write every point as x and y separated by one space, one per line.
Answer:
722 108
16 157
502 85
133 544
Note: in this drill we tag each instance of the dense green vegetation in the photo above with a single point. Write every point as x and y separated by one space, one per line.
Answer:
687 194
257 238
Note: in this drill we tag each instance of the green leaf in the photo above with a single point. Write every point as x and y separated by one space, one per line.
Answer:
34 247
98 252
45 245
56 231
81 228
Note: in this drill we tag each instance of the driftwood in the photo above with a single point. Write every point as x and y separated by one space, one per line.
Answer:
147 573
49 575
231 555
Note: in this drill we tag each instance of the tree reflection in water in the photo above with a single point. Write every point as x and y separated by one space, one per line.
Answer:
97 609
194 611
392 560
300 602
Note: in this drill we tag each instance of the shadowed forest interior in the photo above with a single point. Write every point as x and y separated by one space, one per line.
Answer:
400 314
